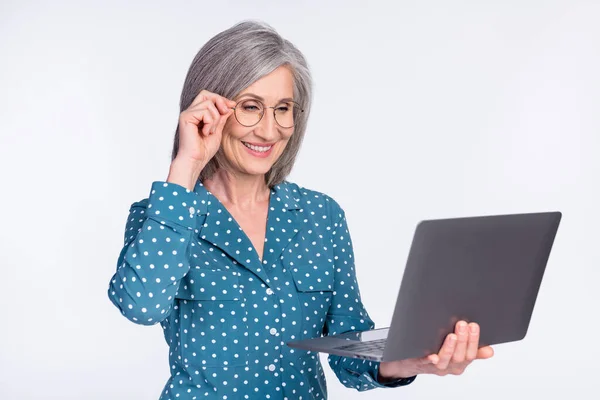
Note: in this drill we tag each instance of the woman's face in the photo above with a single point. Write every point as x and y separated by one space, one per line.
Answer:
253 150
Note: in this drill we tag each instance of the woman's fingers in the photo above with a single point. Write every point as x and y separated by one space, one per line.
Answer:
446 352
214 113
485 352
458 351
432 359
200 97
217 106
207 113
223 121
463 336
222 103
195 118
473 345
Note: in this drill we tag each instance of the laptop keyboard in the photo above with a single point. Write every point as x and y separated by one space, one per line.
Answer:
365 347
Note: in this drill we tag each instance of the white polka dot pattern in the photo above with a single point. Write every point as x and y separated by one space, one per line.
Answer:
226 314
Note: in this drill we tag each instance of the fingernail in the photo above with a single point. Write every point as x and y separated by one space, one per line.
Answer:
473 328
462 327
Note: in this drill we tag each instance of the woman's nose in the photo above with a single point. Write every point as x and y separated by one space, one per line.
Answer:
267 127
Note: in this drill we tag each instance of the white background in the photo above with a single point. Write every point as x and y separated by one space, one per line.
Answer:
422 109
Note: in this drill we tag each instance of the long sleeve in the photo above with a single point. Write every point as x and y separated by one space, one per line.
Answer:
347 313
153 259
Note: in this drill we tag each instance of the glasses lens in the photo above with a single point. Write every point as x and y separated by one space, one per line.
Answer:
284 114
249 112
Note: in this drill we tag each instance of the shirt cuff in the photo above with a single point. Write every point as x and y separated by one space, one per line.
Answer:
175 203
392 383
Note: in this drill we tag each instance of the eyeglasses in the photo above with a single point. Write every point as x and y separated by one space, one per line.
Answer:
249 112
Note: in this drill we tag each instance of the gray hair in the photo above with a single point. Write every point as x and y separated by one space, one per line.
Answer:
233 60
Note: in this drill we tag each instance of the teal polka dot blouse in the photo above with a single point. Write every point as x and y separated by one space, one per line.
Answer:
226 314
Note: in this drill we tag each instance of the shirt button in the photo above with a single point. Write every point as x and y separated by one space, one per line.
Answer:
192 210
269 291
272 367
273 331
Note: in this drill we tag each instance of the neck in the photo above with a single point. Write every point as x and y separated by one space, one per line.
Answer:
243 191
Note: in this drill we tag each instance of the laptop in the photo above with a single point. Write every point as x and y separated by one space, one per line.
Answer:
484 269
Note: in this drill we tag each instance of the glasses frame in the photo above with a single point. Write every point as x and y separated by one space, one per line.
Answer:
265 107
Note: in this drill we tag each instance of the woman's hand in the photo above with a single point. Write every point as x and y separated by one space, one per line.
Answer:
201 126
458 351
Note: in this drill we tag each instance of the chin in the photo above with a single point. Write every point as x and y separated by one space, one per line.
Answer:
256 171
253 166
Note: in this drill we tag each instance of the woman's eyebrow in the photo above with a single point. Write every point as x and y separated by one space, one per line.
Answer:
257 97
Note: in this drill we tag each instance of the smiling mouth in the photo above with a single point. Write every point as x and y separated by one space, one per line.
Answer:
260 149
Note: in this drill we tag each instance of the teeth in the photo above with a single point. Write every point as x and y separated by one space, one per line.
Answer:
260 149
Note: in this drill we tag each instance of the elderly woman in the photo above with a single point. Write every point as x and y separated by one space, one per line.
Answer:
233 260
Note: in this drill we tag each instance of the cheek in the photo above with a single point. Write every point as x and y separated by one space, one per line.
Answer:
287 136
230 138
232 129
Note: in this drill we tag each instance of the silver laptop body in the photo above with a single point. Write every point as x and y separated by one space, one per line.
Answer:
486 269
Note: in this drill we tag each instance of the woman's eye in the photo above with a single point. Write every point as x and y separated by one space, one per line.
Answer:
283 109
251 108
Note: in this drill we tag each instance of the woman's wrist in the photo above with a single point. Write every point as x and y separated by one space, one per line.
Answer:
185 172
389 372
